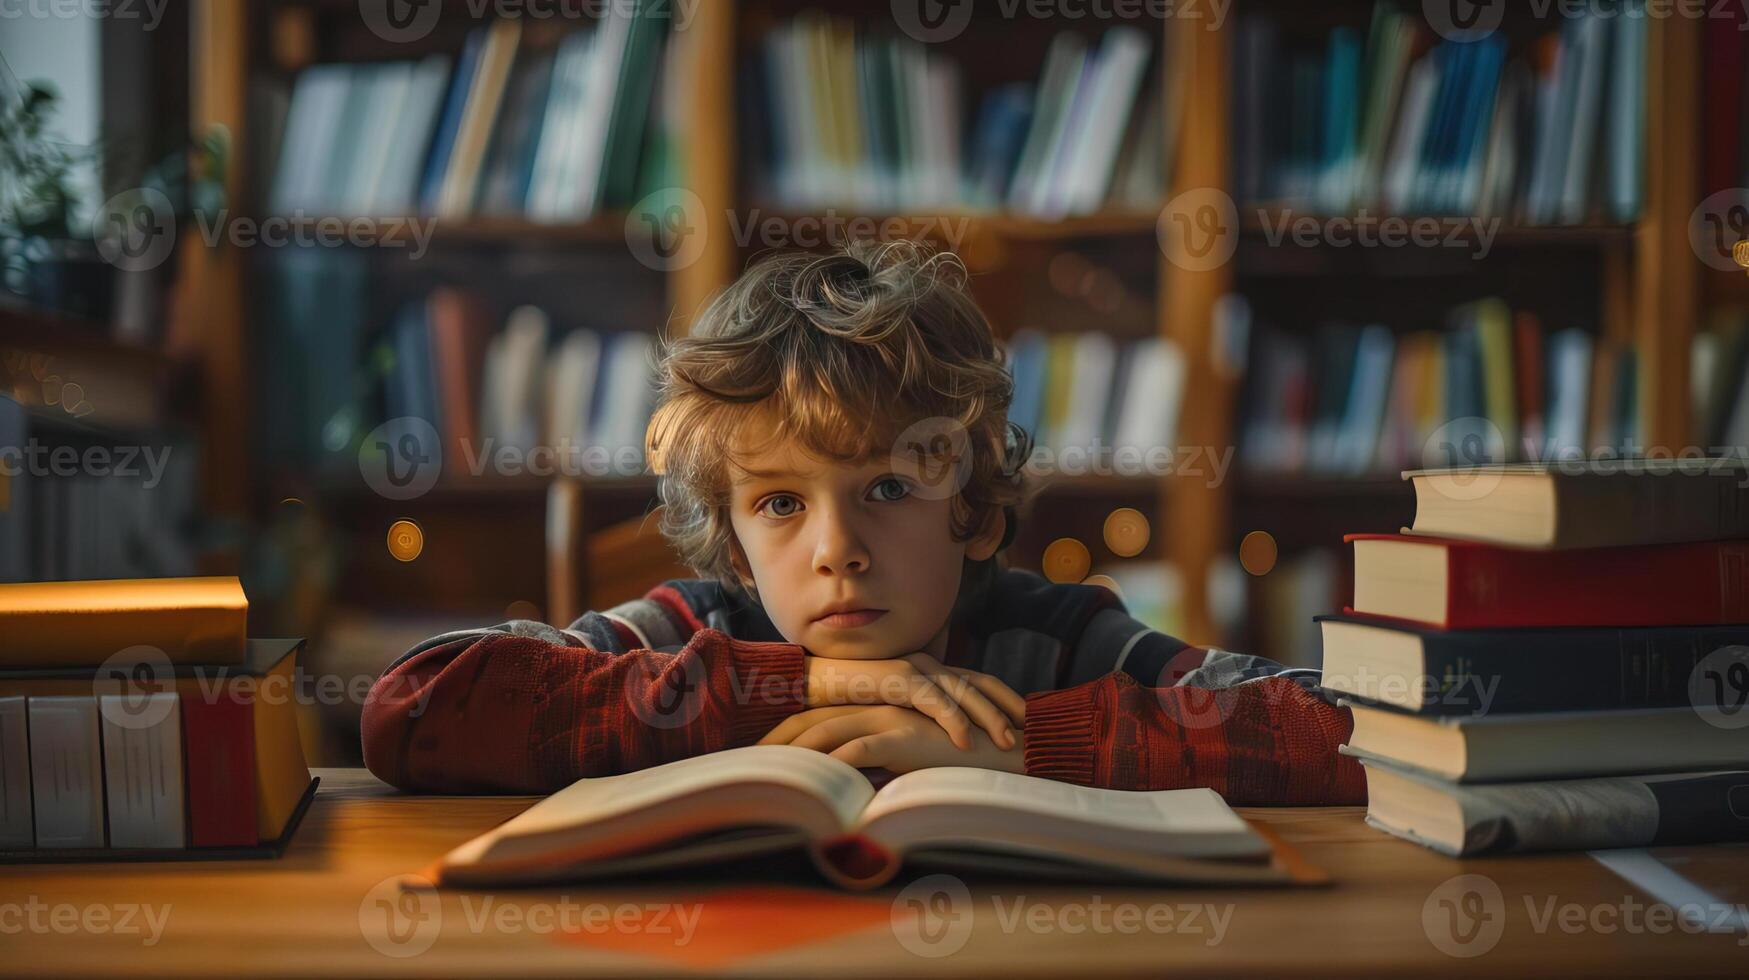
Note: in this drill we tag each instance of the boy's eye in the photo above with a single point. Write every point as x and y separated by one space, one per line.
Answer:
902 490
779 498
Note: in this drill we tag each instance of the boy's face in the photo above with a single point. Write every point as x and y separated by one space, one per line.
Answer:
819 535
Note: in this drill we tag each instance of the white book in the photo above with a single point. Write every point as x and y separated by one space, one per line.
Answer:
1153 397
1627 115
396 190
1123 59
386 89
142 768
66 766
943 143
628 393
1570 397
1404 161
601 91
1094 367
1062 70
547 197
1593 39
312 134
571 382
517 409
16 830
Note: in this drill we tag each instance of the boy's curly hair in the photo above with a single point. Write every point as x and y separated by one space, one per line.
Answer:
846 351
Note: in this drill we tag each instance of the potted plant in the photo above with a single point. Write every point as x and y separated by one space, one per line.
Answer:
44 260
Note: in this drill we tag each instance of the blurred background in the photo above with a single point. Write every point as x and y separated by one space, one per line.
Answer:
355 298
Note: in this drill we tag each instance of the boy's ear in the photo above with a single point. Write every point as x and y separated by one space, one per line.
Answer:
989 540
738 561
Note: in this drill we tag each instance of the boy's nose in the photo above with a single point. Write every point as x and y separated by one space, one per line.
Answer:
840 549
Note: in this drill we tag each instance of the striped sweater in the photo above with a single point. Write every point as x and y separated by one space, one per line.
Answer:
693 668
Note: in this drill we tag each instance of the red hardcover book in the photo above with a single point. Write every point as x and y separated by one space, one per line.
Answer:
1451 584
460 330
218 742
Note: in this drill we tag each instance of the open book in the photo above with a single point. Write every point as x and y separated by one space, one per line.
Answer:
766 798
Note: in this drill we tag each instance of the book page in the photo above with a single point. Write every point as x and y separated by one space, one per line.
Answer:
1176 812
589 801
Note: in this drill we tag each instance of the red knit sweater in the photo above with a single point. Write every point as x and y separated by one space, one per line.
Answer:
691 669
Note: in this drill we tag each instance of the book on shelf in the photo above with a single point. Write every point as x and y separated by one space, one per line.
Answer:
1562 814
1086 388
1350 401
839 117
1549 132
1586 503
1453 584
1461 672
767 799
203 761
1509 747
517 124
127 522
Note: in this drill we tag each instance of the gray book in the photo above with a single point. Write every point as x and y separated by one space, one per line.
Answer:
1557 815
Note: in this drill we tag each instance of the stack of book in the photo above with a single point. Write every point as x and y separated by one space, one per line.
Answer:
137 722
1553 657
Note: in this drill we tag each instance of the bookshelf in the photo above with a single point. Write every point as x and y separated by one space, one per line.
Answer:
1636 282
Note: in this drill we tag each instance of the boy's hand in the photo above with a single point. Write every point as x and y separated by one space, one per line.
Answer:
957 699
889 737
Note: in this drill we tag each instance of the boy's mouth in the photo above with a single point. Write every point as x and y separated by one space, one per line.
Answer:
850 619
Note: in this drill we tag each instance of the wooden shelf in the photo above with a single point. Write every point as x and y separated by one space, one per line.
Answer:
1257 220
991 223
603 229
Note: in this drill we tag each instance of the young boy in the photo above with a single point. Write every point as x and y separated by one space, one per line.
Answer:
838 467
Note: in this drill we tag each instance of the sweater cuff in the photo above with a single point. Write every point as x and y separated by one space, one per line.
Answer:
770 684
1059 735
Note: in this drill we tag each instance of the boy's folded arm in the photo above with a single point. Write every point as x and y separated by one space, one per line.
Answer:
1267 740
507 711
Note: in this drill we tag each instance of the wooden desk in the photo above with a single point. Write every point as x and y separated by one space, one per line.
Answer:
315 911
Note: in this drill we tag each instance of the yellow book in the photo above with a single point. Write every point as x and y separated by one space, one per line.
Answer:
82 624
